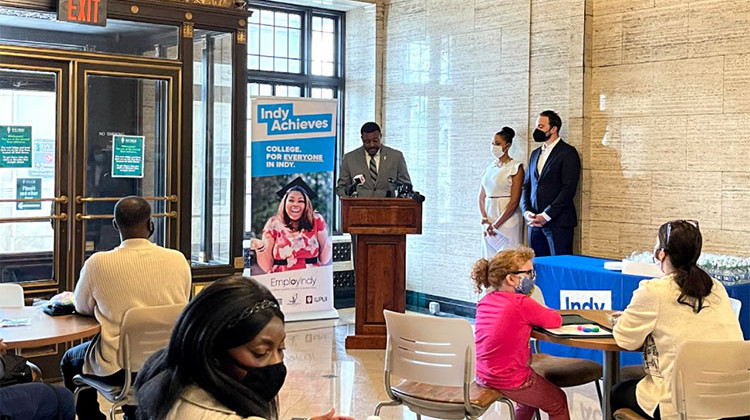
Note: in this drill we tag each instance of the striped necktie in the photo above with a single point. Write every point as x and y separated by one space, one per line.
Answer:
373 169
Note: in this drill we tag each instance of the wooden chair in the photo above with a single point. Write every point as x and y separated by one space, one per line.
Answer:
433 359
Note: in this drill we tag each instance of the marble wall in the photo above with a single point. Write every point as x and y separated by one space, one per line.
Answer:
455 74
651 93
667 134
360 100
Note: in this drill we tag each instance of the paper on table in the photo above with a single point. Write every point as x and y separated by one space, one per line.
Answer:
613 265
498 242
14 322
572 330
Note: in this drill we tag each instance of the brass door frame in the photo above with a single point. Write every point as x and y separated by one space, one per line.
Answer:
187 15
157 69
62 70
71 69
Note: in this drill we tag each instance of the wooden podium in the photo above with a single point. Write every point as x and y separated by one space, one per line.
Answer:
381 226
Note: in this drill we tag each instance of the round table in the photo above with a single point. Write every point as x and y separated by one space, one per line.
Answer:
45 329
611 365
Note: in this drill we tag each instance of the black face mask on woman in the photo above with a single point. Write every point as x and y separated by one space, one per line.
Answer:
540 136
265 381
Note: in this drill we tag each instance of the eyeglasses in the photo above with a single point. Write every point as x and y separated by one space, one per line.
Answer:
529 273
691 222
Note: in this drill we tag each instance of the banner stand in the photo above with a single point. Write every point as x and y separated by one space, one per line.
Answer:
309 316
293 153
300 316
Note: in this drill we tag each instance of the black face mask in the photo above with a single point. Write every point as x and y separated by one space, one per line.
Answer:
540 136
150 229
265 381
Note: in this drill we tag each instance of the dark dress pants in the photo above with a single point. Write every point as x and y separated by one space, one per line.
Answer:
547 241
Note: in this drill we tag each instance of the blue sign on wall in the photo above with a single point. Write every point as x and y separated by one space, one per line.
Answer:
284 157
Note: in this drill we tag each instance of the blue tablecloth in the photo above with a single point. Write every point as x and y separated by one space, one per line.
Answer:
571 273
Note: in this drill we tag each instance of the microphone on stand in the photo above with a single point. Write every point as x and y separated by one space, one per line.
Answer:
405 190
397 182
352 190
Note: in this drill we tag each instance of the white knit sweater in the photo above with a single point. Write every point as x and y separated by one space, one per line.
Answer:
137 273
655 320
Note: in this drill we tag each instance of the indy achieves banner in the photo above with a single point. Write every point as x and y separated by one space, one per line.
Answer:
292 160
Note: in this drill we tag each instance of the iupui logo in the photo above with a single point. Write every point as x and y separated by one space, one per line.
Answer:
308 299
586 299
280 120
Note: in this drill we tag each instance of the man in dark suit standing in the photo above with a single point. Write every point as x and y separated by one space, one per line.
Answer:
548 189
366 169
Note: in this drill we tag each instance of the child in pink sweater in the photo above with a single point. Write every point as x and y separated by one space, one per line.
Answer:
502 331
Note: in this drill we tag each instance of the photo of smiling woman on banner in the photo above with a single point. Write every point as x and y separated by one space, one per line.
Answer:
296 237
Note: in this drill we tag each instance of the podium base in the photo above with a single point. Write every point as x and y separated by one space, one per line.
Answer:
376 342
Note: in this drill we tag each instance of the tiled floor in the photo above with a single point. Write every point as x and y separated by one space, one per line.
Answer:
322 375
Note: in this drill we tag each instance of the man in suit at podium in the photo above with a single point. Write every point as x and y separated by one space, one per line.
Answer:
366 170
548 189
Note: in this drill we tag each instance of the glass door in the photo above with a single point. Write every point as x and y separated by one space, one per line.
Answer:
126 144
33 177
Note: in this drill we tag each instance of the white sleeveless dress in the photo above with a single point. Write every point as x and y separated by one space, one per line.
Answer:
497 181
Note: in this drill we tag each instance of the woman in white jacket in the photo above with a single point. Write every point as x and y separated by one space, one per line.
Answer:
685 304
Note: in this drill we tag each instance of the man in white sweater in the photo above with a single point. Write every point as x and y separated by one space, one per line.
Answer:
135 274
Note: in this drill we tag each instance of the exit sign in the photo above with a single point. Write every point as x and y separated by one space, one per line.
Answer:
89 12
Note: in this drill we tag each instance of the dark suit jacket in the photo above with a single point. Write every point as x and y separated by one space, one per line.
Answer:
553 190
392 165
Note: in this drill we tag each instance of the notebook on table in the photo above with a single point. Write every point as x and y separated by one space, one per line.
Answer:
570 328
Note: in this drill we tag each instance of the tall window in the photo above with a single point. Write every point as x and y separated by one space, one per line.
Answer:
212 147
294 52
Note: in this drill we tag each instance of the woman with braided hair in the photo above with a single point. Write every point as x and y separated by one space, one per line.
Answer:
224 361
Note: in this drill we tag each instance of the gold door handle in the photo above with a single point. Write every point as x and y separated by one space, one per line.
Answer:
61 199
81 199
62 217
79 217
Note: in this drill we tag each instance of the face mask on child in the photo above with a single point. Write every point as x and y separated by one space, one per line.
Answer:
527 283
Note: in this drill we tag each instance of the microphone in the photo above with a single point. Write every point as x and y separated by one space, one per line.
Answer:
397 182
404 190
358 180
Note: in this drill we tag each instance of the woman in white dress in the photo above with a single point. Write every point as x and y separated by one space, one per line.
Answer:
499 195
